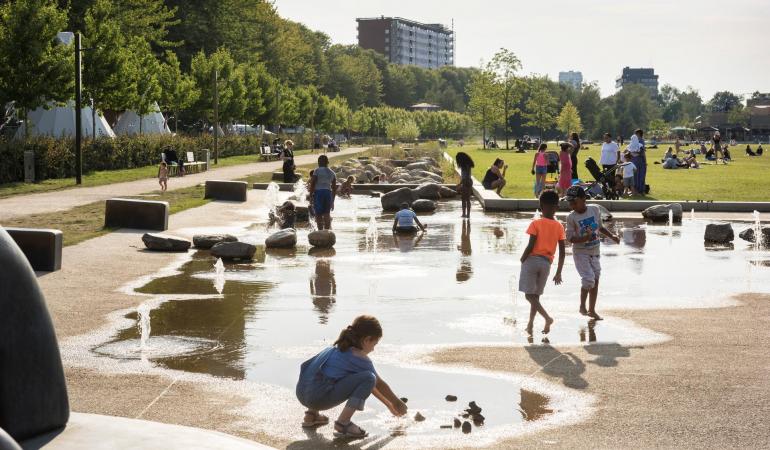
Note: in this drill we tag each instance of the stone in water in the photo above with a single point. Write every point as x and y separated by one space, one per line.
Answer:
419 417
451 398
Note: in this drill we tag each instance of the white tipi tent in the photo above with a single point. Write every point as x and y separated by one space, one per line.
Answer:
152 123
59 121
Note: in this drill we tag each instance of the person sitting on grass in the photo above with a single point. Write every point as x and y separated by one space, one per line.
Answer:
749 151
494 179
692 162
726 154
346 188
406 221
544 235
760 150
669 154
344 373
584 224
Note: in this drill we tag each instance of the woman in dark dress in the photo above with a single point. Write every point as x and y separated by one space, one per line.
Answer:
495 176
575 141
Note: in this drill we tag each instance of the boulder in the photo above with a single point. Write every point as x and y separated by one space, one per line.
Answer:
322 238
420 165
429 191
165 242
399 162
659 213
719 233
206 241
466 427
750 236
391 201
282 239
234 250
423 205
447 192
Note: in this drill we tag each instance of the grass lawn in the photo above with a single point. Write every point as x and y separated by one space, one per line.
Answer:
100 178
744 179
87 221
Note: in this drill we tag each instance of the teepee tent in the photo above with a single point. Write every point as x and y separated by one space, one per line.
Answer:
59 121
152 123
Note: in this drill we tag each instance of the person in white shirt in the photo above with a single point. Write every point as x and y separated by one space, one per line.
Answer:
405 220
610 153
629 171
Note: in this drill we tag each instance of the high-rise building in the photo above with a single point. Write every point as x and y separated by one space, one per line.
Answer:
573 78
408 42
644 76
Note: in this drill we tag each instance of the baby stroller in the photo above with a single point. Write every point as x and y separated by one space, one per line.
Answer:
552 176
604 186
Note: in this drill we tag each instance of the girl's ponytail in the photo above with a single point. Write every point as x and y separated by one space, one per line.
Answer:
361 328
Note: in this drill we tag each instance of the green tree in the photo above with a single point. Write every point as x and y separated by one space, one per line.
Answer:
569 119
404 131
739 116
504 65
144 70
587 103
231 90
658 127
34 68
725 101
178 90
633 108
605 121
540 109
355 76
483 108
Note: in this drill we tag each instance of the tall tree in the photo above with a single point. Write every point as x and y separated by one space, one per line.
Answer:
540 111
34 67
483 107
178 91
144 70
230 89
724 101
505 65
569 119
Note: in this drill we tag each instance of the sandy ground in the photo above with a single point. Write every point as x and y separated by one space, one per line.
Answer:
22 205
708 387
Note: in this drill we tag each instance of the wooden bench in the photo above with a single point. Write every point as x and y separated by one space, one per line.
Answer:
266 153
190 165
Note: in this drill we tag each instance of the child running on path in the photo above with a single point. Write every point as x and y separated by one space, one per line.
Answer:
163 176
344 373
536 260
540 169
584 224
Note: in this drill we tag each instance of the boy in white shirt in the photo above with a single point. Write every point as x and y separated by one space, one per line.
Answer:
629 171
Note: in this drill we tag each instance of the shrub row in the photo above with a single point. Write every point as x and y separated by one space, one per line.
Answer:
55 158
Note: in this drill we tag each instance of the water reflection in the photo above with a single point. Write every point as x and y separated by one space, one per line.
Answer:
533 405
465 269
591 328
323 289
406 242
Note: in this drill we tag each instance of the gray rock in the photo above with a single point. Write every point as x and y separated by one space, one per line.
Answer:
420 165
391 201
429 191
447 192
234 250
282 239
423 205
399 162
750 236
206 241
34 391
719 233
659 213
165 242
322 238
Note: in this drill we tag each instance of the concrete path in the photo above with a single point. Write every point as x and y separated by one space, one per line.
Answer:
62 200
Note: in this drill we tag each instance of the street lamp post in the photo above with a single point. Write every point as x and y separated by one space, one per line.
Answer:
78 112
216 117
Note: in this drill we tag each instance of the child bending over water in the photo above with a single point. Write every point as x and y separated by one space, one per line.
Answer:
344 373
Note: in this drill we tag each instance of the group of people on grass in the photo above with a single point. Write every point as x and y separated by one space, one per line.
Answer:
344 373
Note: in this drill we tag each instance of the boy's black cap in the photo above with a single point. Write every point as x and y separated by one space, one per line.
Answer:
575 192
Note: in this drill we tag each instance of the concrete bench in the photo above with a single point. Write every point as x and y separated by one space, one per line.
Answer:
42 247
139 214
226 190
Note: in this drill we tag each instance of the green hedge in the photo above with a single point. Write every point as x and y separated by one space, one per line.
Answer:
55 158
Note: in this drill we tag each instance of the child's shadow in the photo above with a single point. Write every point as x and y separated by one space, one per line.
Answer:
607 354
566 365
315 440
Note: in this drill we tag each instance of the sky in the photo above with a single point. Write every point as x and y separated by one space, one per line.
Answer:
711 45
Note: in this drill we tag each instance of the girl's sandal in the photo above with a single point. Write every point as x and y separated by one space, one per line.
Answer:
345 430
318 420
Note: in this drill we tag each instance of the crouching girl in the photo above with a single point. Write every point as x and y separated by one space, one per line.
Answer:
344 373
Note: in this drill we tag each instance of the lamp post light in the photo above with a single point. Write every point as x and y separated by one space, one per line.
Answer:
216 117
78 111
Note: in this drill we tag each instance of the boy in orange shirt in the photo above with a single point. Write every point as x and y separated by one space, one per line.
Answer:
536 260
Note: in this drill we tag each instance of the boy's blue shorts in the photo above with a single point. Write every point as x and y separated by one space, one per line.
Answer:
322 201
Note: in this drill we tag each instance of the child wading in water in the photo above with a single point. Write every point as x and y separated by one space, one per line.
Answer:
540 169
465 163
163 176
584 224
344 373
536 260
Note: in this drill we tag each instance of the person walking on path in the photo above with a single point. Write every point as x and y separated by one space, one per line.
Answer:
323 188
639 154
575 141
540 169
610 153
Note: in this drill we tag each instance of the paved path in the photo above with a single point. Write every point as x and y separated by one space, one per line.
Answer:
62 200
